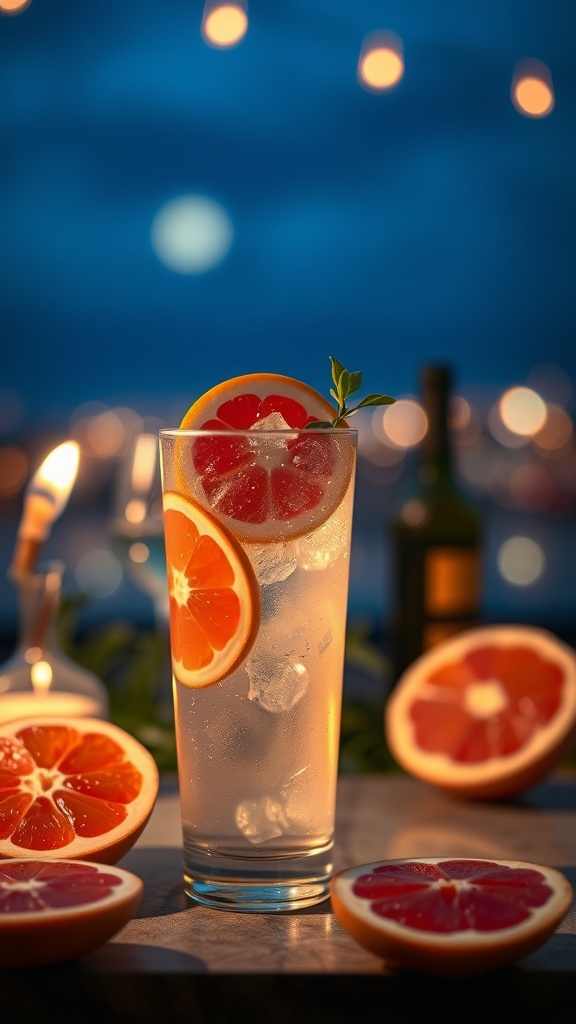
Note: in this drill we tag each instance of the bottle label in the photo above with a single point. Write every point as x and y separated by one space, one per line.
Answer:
452 581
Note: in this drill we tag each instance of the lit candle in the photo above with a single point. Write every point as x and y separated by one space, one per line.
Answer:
53 702
45 499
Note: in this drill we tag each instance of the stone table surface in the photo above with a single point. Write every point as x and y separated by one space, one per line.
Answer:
179 960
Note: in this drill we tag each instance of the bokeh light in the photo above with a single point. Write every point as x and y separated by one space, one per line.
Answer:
405 423
191 234
523 411
532 90
224 24
520 561
13 6
381 62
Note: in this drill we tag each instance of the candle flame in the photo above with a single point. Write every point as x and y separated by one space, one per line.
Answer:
46 496
55 477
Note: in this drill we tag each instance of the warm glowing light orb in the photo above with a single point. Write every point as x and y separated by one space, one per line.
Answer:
404 423
523 411
191 234
532 90
13 6
224 25
381 68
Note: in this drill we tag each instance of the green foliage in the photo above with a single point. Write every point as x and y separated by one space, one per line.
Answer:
347 383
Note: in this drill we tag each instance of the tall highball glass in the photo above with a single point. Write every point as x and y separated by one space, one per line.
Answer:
258 746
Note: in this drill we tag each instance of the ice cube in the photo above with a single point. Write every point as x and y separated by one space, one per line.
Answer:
261 819
320 549
272 563
277 684
274 421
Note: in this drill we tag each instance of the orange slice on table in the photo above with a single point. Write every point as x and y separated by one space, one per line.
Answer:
487 713
450 916
213 593
73 788
56 909
281 492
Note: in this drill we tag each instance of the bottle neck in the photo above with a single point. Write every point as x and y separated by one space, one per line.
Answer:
435 452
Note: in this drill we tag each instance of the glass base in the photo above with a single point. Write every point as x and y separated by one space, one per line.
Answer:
255 899
267 886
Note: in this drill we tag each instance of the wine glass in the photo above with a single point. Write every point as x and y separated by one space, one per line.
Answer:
136 526
137 533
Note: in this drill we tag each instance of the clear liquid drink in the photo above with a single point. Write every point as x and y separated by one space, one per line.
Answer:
258 749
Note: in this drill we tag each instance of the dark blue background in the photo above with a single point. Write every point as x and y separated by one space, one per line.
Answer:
430 221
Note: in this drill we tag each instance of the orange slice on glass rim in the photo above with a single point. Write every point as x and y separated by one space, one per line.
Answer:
273 492
450 915
486 713
213 594
73 788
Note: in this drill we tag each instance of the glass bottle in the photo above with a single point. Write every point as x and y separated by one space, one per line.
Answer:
436 536
39 679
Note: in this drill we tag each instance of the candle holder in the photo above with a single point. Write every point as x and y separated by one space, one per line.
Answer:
39 679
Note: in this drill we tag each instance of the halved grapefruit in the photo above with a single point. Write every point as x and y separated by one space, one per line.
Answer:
56 909
73 788
450 916
487 713
266 491
213 594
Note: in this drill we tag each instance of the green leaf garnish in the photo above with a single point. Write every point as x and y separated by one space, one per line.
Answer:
346 384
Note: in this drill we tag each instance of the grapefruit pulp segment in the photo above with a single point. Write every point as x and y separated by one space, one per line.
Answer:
282 485
456 916
57 909
214 597
51 808
486 713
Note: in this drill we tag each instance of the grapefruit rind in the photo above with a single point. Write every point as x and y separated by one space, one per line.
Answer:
55 934
260 384
203 414
501 776
460 953
110 846
245 585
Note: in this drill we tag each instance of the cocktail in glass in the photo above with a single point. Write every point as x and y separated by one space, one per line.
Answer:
258 747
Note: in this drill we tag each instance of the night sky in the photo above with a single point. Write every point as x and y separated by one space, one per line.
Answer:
432 221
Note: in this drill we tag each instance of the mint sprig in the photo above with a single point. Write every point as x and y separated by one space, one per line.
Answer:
346 384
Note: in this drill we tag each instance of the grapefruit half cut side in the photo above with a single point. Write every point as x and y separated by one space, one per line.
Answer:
460 916
487 713
73 788
275 491
56 909
214 596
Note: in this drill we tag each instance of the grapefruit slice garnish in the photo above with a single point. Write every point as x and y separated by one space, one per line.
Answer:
452 916
56 909
213 594
487 713
73 788
282 490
